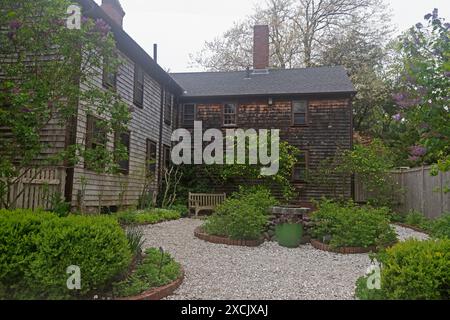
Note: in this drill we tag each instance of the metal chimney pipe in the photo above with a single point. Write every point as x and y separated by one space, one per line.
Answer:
155 52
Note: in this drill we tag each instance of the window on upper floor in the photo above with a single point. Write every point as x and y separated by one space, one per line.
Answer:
229 114
109 76
188 115
124 139
138 94
300 169
168 104
300 113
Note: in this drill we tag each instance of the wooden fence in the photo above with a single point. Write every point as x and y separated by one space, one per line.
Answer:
417 190
37 187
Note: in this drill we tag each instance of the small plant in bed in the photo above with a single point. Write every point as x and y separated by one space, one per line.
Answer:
347 225
151 216
157 269
243 216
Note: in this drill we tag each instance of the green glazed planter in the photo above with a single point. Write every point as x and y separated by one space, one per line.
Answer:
289 235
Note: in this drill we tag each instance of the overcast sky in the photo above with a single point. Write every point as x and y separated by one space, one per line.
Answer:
181 27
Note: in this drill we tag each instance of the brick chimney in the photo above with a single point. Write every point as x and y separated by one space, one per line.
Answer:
261 47
114 10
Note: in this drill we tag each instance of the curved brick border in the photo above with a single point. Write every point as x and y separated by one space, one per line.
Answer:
157 293
343 250
199 233
418 229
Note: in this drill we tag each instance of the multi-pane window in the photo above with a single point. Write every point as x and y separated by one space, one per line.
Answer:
167 158
299 113
109 75
301 167
138 95
96 139
229 114
168 107
151 156
124 139
188 115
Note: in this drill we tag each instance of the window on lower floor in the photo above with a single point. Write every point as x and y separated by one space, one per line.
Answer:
167 157
96 141
151 156
124 139
300 170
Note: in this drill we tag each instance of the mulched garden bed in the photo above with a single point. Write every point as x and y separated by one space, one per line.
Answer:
157 293
202 235
343 250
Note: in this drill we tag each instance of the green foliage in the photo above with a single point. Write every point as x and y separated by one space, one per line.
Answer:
182 209
135 237
230 173
370 163
417 219
416 270
157 269
440 228
36 248
243 216
347 225
362 292
35 91
152 216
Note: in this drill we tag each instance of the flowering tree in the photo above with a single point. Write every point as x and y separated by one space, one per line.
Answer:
423 101
42 66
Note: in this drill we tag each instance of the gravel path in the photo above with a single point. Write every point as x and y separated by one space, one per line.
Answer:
268 272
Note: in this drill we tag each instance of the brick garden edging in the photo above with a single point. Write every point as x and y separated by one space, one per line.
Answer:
157 293
200 234
343 250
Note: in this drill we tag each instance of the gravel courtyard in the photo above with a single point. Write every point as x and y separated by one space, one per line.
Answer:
268 272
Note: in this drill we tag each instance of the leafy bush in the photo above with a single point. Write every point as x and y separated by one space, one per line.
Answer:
182 209
417 219
152 216
37 248
440 228
157 269
243 216
413 270
348 225
135 238
364 293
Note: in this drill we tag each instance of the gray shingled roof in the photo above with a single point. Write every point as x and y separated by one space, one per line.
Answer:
287 81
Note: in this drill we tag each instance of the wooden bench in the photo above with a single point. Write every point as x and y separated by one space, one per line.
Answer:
205 201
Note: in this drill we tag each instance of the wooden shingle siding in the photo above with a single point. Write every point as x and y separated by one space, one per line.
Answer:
108 190
328 129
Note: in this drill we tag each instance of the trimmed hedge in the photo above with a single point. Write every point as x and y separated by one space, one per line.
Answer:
244 216
152 216
412 270
348 225
37 247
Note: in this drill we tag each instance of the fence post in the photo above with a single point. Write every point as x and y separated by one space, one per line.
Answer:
422 194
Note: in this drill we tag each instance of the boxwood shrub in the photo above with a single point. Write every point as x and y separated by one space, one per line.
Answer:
243 216
37 248
347 225
412 270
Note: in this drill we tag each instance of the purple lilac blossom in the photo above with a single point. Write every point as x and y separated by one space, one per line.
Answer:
15 25
397 117
413 158
417 151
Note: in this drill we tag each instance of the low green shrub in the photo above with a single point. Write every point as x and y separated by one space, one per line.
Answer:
440 228
417 219
347 225
182 209
135 237
412 270
156 269
37 247
362 291
152 216
243 216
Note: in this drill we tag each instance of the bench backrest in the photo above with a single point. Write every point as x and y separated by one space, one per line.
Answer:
206 199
